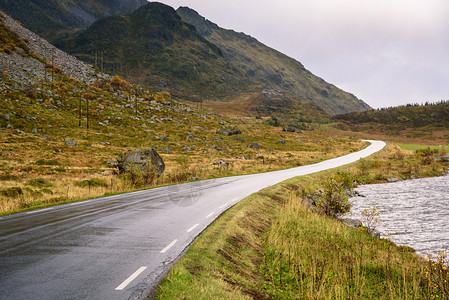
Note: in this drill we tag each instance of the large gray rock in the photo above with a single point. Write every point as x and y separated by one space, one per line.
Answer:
229 132
141 159
255 146
71 143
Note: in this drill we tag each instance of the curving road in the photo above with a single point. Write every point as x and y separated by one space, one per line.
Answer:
119 247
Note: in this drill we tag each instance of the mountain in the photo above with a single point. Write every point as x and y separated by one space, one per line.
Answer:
159 47
154 47
55 18
272 68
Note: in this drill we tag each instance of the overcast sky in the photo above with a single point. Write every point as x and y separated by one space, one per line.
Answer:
386 52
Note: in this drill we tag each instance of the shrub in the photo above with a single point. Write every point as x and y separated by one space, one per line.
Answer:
347 178
118 83
8 177
44 162
94 182
12 192
333 199
39 182
426 155
30 92
148 173
53 68
364 166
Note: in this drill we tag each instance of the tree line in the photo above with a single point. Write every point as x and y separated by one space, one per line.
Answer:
407 116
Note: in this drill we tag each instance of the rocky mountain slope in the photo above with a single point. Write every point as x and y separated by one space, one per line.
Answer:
190 55
53 18
27 59
194 58
272 68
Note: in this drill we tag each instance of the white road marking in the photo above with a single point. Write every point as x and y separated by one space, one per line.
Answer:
190 229
38 211
130 278
223 206
209 215
169 246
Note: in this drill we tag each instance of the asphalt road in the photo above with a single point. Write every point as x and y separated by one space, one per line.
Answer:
119 247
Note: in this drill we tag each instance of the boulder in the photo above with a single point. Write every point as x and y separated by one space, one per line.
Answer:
353 223
141 159
229 132
393 179
69 142
375 233
291 129
444 158
221 163
255 146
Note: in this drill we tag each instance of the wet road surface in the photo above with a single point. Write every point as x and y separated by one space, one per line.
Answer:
119 247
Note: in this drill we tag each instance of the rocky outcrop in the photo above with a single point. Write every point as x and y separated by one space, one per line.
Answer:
27 68
229 131
70 143
141 159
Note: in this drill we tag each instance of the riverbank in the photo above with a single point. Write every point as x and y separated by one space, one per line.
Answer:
271 245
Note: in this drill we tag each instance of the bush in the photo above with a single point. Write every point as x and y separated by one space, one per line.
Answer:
347 178
13 192
8 177
52 67
39 182
118 83
94 182
333 199
44 162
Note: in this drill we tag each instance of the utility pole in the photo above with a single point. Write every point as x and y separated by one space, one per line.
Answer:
45 62
102 61
87 102
135 103
52 63
79 118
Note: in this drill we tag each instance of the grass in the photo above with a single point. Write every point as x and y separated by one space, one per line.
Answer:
272 246
415 147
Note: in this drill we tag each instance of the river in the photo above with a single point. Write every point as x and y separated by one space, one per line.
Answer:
412 212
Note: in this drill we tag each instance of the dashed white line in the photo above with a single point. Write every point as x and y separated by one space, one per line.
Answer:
223 206
209 215
169 246
193 227
130 278
38 211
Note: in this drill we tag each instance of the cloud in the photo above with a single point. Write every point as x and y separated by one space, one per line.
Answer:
385 52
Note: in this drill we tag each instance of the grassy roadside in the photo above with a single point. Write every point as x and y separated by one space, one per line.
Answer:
270 245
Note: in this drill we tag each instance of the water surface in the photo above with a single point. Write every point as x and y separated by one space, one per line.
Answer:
412 212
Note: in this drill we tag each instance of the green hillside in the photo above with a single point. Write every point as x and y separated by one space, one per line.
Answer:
153 46
54 18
